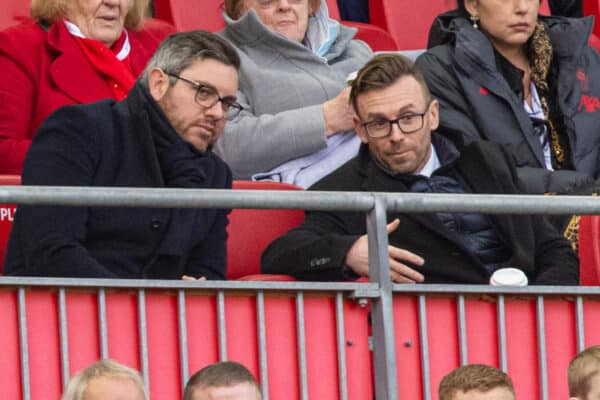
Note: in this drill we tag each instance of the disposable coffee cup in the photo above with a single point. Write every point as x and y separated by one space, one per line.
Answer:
513 277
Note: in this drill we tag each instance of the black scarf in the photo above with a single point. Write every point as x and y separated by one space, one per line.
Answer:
182 166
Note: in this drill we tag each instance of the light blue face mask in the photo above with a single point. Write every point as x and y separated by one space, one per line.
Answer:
322 31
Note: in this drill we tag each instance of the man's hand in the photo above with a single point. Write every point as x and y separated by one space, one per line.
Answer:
338 113
358 259
191 278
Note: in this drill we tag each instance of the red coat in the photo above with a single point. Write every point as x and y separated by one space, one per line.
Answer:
42 71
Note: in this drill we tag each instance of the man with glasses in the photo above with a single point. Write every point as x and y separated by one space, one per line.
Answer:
395 117
161 135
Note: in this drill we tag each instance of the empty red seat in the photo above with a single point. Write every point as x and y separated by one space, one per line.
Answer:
589 250
12 12
251 231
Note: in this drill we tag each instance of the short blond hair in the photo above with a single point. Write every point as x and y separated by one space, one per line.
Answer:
233 8
106 368
54 10
581 370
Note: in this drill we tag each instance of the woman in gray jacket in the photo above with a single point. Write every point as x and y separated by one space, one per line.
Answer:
505 74
297 123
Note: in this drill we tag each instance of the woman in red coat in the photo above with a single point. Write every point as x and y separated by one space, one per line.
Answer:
73 51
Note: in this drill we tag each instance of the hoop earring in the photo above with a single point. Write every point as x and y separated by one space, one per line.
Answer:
475 20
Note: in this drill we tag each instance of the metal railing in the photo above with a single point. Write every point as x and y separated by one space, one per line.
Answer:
375 205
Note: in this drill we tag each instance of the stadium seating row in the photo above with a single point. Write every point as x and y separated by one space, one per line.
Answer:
249 235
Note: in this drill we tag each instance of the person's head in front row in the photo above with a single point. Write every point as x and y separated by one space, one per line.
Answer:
200 66
391 88
227 380
584 375
476 382
106 380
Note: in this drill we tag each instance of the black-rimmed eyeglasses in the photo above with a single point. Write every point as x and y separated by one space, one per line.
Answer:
408 123
207 96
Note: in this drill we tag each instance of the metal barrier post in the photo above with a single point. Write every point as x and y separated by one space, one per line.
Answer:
384 350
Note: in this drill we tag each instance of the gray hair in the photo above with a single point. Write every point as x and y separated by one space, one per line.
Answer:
78 384
181 50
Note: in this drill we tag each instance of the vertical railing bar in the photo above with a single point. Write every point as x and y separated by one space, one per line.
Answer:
142 327
341 345
262 344
580 324
301 346
462 330
424 339
221 325
501 310
183 345
23 344
541 333
102 326
64 337
382 307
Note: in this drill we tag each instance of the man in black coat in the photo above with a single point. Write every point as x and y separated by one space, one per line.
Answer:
395 119
161 135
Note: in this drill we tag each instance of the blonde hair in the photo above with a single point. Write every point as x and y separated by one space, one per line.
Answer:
233 8
54 10
581 370
77 386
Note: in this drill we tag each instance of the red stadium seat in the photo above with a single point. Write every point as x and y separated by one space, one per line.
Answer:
12 12
589 250
7 213
251 231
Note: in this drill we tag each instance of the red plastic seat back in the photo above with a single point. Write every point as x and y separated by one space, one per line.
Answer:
589 250
189 15
251 230
12 12
408 21
7 214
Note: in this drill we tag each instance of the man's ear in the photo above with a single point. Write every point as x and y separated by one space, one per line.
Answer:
434 114
361 131
158 83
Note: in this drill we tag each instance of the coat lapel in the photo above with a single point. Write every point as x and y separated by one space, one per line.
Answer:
70 71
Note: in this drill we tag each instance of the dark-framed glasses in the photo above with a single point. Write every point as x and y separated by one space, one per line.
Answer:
207 96
408 123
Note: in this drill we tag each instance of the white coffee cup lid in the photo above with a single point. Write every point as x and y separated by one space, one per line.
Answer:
508 277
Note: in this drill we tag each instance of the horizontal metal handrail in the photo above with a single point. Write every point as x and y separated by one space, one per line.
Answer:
284 199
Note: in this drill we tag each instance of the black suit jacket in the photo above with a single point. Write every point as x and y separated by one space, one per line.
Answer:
316 250
110 144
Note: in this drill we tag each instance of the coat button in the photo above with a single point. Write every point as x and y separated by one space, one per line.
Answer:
156 224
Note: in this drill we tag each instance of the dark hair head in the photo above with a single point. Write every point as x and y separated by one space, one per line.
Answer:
478 377
383 71
181 50
226 373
